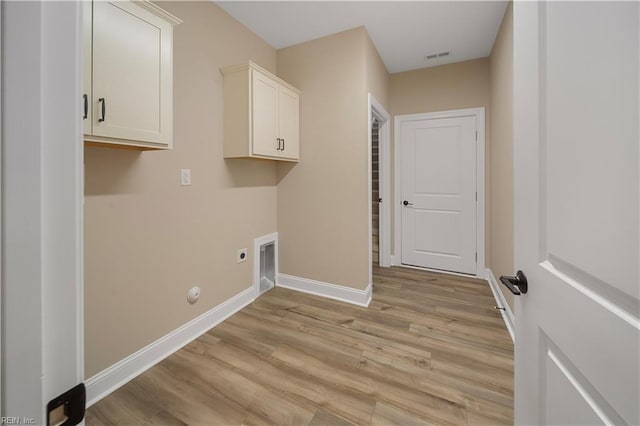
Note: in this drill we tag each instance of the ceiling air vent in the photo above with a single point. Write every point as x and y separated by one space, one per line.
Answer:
437 55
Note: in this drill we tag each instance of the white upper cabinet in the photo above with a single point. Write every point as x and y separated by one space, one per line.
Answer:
129 74
289 122
261 115
264 98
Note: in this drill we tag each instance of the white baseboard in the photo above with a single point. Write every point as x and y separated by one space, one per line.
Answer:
332 291
110 379
507 314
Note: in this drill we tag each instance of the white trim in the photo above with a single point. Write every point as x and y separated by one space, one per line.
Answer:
257 244
79 206
375 109
384 172
332 291
158 11
41 209
501 302
110 379
480 180
1 350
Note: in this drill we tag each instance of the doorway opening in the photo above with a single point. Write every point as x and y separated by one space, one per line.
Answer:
375 194
379 191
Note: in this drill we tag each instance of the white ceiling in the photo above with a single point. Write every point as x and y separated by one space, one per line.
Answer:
404 32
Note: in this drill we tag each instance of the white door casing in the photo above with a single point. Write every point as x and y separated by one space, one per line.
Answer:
384 179
42 205
576 212
1 351
440 180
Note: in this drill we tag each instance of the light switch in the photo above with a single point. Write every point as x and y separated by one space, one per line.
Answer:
185 177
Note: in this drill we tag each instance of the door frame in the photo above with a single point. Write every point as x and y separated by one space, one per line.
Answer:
42 205
479 115
376 110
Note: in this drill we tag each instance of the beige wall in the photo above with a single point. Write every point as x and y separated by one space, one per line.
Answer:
377 76
501 65
447 87
147 239
323 200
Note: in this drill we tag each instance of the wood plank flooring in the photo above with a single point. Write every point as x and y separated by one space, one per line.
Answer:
430 349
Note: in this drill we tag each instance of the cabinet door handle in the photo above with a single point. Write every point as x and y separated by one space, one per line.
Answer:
104 109
278 149
283 145
86 106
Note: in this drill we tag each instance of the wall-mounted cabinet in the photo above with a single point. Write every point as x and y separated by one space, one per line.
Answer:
261 115
128 74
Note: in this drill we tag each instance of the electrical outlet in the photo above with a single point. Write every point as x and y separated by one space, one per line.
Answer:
242 255
185 177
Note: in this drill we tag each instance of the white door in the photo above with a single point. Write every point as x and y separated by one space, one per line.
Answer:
576 90
264 98
439 193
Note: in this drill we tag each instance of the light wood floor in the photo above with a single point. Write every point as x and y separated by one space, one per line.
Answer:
430 349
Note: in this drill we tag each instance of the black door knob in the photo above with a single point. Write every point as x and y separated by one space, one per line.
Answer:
517 285
406 203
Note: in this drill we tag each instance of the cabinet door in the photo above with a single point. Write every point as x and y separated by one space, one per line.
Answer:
87 12
288 120
264 99
132 73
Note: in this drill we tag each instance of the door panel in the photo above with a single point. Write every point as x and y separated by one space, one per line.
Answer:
265 115
603 168
576 212
289 110
437 165
440 231
124 41
439 183
564 389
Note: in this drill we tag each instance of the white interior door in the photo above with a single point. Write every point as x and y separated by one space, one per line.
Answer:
439 193
577 358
